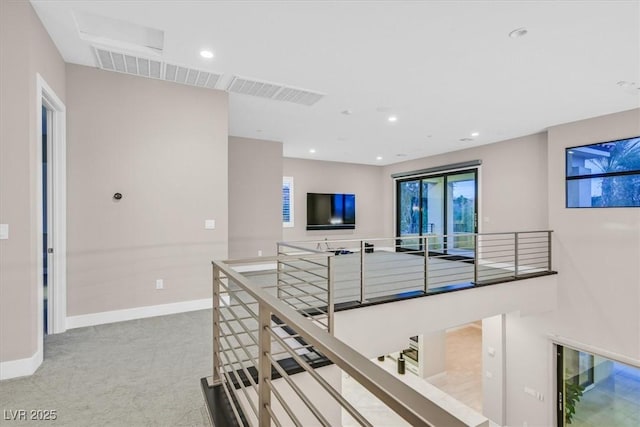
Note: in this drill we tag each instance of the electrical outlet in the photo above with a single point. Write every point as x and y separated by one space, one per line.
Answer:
210 224
259 252
159 284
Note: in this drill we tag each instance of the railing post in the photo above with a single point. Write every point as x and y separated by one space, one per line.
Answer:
362 249
549 250
216 324
278 276
476 259
330 294
515 254
264 365
425 247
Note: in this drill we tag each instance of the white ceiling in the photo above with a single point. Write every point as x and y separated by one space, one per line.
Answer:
444 68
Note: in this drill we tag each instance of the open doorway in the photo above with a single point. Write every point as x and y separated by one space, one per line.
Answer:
50 207
462 378
46 214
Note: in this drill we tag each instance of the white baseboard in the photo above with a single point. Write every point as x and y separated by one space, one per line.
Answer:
20 367
137 313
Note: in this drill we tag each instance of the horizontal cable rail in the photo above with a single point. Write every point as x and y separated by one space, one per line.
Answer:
367 270
269 325
262 337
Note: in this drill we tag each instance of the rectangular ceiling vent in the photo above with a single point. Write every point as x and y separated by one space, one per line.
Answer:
145 67
129 64
190 76
274 91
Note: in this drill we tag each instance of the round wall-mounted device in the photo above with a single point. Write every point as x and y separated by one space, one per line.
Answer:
117 196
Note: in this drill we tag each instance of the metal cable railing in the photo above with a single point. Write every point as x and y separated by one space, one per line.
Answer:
268 358
369 269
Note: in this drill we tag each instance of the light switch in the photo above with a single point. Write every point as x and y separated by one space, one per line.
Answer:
209 224
4 231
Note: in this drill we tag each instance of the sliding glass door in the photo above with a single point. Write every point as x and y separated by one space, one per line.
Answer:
593 390
437 205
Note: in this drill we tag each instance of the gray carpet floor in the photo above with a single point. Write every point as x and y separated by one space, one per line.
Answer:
138 373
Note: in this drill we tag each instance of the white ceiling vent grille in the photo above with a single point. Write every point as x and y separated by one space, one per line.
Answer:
274 91
123 63
146 67
190 76
299 96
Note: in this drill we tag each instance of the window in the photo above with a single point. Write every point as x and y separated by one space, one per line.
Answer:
287 201
439 204
594 390
604 175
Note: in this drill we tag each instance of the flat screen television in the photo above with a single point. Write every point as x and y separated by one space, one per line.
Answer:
331 211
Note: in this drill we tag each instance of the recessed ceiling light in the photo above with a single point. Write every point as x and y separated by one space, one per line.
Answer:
466 139
392 119
623 83
206 54
474 134
518 32
346 112
313 150
401 155
379 158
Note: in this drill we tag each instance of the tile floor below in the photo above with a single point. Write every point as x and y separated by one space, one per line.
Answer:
463 380
614 401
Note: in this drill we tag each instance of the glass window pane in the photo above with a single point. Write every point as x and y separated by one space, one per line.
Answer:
462 201
599 391
607 192
433 210
608 157
409 213
409 208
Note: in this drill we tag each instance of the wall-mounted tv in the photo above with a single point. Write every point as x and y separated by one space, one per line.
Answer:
331 211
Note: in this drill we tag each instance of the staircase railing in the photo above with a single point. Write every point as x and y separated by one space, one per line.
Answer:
261 341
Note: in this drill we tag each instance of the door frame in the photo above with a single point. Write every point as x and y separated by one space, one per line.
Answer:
57 289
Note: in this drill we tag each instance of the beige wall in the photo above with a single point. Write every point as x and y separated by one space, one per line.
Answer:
164 147
596 251
255 197
25 49
512 183
311 176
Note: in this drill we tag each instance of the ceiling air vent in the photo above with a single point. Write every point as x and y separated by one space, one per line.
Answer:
124 63
253 87
299 96
274 91
190 76
145 67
